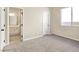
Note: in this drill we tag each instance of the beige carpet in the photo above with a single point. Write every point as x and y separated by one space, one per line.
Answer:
48 43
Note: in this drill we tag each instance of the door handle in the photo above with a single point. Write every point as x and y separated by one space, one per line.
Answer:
2 29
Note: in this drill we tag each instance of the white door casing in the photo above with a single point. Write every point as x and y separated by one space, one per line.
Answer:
7 26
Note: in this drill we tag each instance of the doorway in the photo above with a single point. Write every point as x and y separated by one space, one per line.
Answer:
15 25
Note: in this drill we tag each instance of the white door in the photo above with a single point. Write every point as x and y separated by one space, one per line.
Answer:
46 23
2 28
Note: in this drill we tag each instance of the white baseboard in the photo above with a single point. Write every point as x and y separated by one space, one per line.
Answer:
33 37
72 38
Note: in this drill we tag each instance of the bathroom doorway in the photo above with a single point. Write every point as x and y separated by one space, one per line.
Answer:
15 25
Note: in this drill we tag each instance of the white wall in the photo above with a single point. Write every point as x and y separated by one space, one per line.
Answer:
56 28
33 22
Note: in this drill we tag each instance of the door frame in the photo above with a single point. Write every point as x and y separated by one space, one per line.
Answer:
7 25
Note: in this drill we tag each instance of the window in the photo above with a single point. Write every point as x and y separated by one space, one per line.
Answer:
75 16
67 19
66 16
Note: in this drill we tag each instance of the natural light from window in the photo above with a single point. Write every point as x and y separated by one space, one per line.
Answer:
66 16
67 19
76 16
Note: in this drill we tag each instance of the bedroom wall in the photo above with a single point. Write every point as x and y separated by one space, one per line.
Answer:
65 31
33 22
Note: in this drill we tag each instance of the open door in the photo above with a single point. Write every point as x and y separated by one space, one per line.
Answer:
2 28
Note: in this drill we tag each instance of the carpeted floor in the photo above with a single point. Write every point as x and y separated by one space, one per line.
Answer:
48 43
15 39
